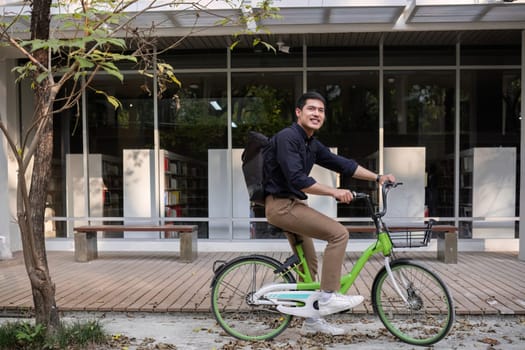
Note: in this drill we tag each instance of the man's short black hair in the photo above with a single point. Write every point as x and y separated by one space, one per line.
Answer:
310 95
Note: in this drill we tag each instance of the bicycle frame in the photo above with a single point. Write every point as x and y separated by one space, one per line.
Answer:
382 245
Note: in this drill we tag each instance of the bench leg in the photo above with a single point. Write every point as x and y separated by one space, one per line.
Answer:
188 246
447 250
85 246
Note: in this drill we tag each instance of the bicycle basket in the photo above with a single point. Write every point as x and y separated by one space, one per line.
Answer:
411 237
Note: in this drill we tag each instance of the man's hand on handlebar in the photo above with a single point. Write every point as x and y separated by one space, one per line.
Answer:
386 178
343 195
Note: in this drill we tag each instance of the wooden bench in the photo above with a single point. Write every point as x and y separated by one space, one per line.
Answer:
447 238
86 238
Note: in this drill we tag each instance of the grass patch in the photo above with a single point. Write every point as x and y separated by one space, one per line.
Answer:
28 336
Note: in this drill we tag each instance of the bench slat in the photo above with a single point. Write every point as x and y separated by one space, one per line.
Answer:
132 228
86 238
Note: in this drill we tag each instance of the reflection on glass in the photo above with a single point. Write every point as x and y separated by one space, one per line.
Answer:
351 124
419 117
490 139
265 103
262 102
192 127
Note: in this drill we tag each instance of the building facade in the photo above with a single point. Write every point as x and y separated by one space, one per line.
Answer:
427 90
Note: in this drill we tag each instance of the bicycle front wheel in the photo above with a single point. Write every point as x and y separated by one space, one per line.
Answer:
415 305
232 305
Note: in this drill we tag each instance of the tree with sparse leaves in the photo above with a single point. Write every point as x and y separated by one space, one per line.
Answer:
69 42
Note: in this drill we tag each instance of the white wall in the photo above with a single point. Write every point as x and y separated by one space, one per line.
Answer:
219 198
75 189
140 206
408 165
4 198
8 167
493 191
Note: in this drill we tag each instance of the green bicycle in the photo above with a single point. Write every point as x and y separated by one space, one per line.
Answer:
255 297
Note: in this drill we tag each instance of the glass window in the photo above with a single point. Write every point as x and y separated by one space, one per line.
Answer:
490 140
112 131
351 125
263 102
419 141
419 56
193 128
348 56
64 125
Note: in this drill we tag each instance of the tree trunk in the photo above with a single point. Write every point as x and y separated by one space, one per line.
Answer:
32 206
43 287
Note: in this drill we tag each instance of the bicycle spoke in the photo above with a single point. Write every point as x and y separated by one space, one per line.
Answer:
232 300
426 316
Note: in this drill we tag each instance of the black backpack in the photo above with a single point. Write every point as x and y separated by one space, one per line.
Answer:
252 166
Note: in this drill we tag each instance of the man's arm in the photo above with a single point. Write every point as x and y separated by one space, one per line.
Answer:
345 195
365 174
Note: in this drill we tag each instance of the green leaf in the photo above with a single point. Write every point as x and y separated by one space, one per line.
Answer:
79 74
111 99
234 44
84 63
40 78
269 47
111 69
103 40
120 57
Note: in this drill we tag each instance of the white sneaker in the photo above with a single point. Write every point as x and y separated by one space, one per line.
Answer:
321 326
338 303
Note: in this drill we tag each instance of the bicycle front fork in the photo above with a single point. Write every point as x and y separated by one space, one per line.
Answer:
394 280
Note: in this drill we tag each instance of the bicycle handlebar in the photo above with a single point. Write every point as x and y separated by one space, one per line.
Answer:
385 188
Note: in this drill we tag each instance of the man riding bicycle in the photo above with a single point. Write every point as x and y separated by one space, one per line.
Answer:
288 163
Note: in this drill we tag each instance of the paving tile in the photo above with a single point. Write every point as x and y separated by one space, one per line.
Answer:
482 283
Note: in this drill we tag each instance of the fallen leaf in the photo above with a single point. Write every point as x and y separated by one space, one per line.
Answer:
490 341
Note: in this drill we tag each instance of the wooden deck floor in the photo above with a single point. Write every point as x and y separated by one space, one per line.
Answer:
481 283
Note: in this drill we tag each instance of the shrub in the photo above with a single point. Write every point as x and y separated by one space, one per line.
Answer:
27 336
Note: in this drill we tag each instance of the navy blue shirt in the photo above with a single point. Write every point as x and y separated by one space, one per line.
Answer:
290 158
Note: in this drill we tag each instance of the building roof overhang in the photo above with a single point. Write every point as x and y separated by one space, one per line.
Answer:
364 20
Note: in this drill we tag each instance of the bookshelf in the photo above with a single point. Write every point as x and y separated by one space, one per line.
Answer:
182 188
185 186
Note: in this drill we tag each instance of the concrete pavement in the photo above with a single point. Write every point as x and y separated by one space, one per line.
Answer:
199 331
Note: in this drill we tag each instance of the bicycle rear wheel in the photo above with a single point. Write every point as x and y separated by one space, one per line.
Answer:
426 316
231 304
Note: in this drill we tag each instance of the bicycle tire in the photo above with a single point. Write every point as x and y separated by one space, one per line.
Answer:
429 314
232 286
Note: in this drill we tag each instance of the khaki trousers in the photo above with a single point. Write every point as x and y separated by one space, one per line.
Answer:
304 223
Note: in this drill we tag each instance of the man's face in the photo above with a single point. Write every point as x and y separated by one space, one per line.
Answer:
311 117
